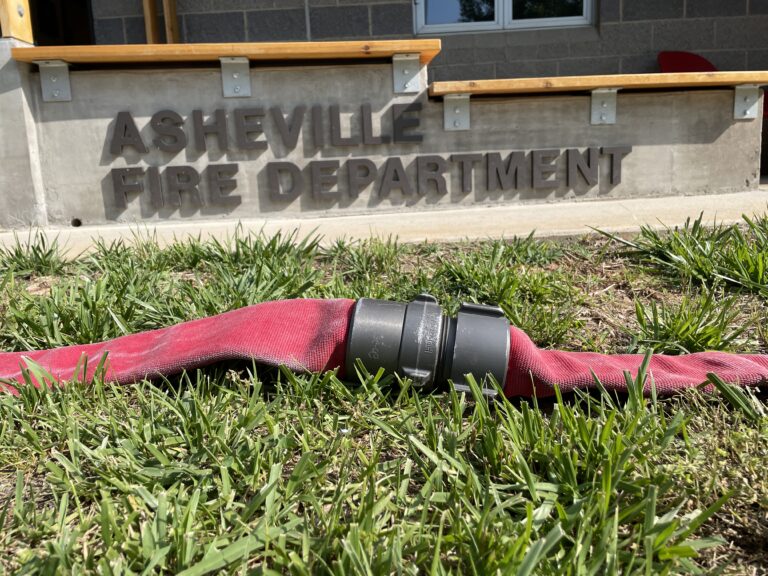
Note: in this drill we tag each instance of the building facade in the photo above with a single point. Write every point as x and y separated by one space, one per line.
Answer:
223 129
481 38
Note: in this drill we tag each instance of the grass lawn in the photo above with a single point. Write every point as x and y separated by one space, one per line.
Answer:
244 469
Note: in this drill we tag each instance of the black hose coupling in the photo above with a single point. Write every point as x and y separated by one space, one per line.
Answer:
417 341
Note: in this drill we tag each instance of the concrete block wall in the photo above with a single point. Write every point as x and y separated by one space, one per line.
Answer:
626 36
120 21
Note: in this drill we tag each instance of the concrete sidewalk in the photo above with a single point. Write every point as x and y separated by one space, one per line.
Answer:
546 220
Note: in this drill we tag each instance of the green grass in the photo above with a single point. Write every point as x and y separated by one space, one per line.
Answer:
735 254
697 323
253 470
34 255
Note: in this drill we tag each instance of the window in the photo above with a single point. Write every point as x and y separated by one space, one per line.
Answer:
475 15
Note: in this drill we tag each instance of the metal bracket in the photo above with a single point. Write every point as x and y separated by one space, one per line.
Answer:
456 112
54 80
746 99
604 106
406 73
235 77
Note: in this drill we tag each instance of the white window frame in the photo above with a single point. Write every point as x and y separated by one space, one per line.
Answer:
504 20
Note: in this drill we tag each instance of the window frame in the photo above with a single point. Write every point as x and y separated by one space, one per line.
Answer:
504 20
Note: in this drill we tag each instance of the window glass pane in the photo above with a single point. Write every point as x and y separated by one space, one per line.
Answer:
525 9
456 11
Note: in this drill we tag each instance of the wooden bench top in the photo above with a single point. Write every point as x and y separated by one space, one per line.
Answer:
159 53
589 83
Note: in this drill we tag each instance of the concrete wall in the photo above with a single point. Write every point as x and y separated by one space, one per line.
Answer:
682 143
22 200
625 37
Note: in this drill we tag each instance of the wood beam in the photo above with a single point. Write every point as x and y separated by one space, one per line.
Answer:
16 20
588 83
150 21
138 53
171 22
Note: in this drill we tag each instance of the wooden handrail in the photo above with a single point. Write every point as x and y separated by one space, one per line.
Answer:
159 53
588 83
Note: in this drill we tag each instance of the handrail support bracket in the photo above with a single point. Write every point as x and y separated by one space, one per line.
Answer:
54 80
406 74
456 116
746 101
603 108
235 77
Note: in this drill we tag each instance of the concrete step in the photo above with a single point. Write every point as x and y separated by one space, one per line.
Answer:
545 220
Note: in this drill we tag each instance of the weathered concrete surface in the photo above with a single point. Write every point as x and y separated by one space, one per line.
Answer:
21 195
480 222
683 142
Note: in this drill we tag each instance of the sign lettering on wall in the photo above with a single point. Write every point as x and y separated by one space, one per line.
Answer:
242 130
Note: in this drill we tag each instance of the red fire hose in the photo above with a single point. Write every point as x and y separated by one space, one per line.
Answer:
312 335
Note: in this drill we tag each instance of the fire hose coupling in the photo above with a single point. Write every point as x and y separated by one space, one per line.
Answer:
418 341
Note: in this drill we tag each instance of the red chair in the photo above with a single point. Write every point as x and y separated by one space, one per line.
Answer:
684 62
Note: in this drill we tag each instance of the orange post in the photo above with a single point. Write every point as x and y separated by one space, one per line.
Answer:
16 21
150 21
171 23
